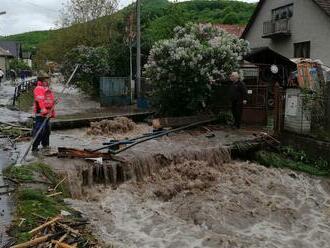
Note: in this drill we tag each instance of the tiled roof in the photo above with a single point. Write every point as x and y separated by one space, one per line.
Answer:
324 4
232 29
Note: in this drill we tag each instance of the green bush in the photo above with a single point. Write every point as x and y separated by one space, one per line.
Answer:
18 65
184 68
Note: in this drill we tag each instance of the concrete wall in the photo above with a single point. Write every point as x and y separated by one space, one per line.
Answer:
309 23
296 119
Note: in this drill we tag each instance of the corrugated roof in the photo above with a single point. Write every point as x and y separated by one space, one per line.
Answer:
323 4
5 53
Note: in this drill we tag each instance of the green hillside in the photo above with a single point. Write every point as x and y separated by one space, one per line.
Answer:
158 18
30 40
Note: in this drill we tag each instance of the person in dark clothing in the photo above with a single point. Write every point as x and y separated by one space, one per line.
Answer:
2 74
238 96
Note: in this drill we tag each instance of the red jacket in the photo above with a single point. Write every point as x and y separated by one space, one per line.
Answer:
39 99
50 102
44 100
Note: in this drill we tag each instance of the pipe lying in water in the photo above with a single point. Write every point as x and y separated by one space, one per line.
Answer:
140 140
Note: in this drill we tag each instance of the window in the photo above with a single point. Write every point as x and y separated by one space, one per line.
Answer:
284 12
302 49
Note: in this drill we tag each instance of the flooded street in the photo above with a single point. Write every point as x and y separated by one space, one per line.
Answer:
7 115
5 199
238 204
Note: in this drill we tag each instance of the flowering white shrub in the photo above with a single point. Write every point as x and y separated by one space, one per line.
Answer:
184 68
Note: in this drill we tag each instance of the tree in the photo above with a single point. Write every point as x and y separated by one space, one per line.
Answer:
81 11
183 69
94 63
230 18
18 65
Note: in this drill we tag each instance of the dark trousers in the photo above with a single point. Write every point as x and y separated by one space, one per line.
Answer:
237 110
43 136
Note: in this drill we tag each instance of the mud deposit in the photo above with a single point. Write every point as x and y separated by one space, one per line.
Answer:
194 204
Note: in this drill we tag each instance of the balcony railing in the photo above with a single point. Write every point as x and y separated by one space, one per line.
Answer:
276 28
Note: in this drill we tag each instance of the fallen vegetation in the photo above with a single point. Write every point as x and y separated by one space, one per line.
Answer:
42 219
14 131
118 125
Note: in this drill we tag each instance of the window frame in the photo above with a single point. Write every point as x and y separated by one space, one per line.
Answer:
282 7
301 48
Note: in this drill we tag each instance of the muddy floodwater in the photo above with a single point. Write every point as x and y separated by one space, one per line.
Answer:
238 204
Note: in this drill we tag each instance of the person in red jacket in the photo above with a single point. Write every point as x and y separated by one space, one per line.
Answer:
50 108
44 103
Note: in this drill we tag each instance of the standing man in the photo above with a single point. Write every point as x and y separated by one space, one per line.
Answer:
44 103
1 75
238 95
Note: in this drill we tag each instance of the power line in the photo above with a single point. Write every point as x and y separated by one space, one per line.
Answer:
40 6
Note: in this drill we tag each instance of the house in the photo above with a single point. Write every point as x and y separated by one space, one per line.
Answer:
292 28
5 55
14 47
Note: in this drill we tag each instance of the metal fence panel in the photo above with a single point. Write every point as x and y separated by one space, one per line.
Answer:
115 91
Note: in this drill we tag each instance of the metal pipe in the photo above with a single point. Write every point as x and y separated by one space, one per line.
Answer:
163 134
126 142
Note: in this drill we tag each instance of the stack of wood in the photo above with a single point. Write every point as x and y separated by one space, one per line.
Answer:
58 232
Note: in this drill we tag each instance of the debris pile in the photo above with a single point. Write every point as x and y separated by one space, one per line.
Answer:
13 130
109 127
59 231
190 175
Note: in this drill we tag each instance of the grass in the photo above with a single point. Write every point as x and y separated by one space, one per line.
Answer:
30 172
29 203
284 160
33 201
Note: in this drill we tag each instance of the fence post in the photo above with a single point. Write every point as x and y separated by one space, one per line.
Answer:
278 109
14 99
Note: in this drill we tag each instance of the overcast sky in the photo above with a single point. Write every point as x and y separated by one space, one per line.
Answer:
29 15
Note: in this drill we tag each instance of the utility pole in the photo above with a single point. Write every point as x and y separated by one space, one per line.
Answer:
130 43
138 48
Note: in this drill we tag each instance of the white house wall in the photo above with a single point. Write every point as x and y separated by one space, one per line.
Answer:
309 23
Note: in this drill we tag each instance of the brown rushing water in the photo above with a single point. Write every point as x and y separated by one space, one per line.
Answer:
235 205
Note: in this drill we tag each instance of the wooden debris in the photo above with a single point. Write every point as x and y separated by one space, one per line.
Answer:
61 244
61 239
71 230
57 185
58 232
33 242
22 221
55 194
76 153
45 224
